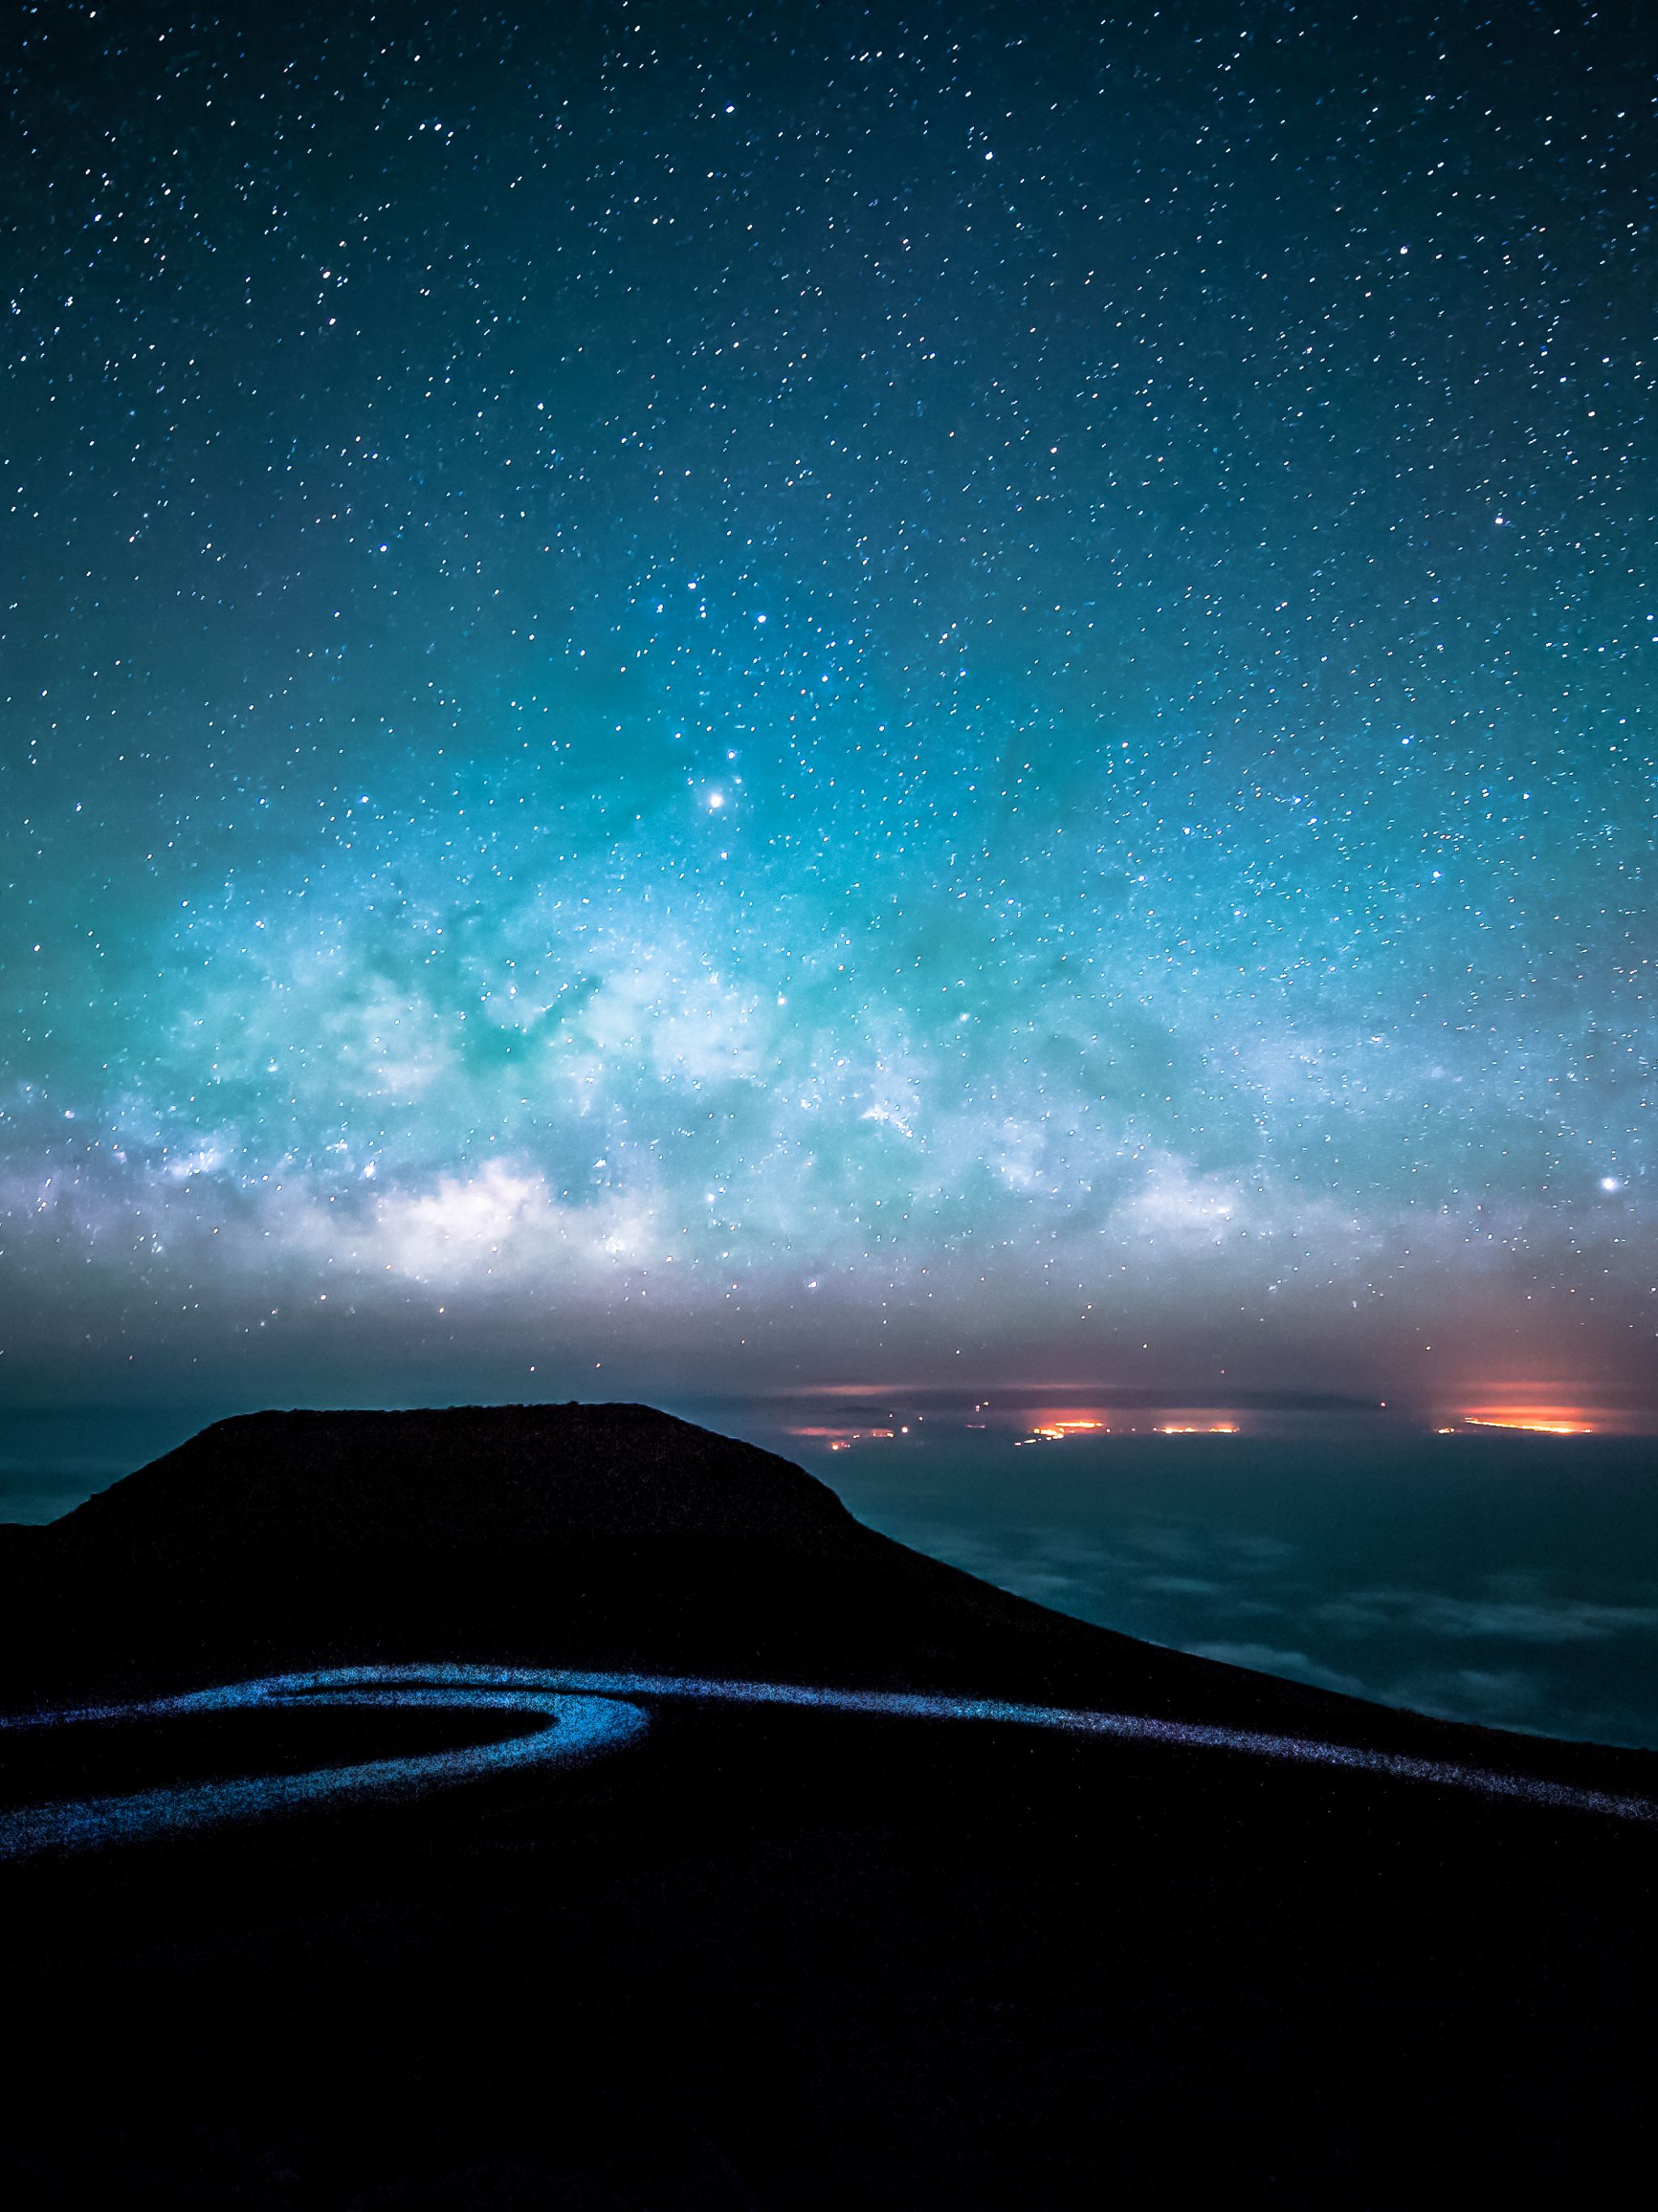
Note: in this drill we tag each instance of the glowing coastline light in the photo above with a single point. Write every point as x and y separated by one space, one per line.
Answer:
1545 1421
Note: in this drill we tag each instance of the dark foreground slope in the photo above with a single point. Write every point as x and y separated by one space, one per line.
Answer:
586 1536
776 1959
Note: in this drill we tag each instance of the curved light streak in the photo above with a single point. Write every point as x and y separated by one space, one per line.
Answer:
563 1731
579 1717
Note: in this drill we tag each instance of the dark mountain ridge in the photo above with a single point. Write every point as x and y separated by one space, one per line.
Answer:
472 1476
610 1536
773 1959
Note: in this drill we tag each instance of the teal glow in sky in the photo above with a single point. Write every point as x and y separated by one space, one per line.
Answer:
767 699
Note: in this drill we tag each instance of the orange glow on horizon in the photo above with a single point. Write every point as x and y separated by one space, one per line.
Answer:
1057 1427
1543 1420
843 1439
1054 1428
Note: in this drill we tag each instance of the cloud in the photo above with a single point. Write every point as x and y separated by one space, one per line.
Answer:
545 1079
1536 1619
1295 1666
1506 1697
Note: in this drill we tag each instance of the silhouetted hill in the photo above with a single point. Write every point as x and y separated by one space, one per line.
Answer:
585 1536
769 1960
473 1477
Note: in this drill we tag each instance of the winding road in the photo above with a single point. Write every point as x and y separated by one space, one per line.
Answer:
572 1718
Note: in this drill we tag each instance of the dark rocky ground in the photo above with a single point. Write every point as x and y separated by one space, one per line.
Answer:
765 1958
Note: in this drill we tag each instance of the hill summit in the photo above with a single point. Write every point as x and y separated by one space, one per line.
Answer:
451 1481
591 1537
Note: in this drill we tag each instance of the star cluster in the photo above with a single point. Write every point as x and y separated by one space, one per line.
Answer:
778 693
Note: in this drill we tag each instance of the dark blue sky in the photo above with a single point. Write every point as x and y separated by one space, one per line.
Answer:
816 694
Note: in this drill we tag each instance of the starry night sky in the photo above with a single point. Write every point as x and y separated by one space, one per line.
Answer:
722 698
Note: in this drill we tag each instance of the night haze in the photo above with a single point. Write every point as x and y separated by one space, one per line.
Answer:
701 705
827 1264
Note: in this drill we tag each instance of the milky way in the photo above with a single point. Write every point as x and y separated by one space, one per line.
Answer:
768 695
